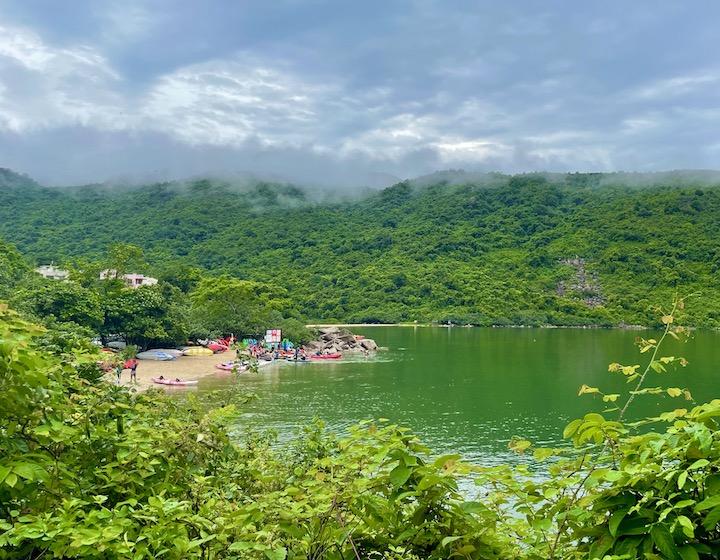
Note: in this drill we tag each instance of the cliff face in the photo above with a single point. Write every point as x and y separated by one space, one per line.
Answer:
585 286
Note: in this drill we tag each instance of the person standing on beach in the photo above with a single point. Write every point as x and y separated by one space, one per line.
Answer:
133 371
119 372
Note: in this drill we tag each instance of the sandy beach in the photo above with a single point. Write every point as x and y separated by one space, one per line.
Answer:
185 368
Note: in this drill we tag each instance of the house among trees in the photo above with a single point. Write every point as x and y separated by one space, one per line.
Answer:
52 273
133 280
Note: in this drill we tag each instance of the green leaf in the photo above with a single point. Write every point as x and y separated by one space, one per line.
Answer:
441 461
699 464
627 547
571 428
632 526
687 552
292 529
31 471
712 484
687 526
429 480
542 453
615 521
682 477
241 545
4 471
447 540
708 503
711 519
664 542
400 475
277 554
601 545
473 507
657 366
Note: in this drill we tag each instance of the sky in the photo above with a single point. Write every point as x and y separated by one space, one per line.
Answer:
355 93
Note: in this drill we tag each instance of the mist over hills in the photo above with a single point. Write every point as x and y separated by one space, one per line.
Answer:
482 248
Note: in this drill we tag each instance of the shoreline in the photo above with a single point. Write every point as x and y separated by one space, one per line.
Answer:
184 367
441 325
198 367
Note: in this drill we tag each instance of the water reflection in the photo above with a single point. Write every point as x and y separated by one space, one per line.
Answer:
466 391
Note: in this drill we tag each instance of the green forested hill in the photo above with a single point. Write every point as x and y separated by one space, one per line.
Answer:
480 249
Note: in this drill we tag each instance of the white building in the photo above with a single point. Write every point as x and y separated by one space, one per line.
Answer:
52 273
133 280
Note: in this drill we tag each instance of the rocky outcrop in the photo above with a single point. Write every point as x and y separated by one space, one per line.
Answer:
335 340
586 285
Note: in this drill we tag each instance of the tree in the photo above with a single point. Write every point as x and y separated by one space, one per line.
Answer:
12 268
123 258
181 275
63 302
229 305
144 316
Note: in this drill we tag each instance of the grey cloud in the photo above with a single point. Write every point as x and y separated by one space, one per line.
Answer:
327 91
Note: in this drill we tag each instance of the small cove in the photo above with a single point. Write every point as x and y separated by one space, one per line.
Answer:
469 390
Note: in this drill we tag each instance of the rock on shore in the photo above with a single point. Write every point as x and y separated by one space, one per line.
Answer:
335 340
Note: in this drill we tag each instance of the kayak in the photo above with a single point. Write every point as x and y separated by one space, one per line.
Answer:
217 347
155 355
171 351
325 356
173 381
197 351
231 366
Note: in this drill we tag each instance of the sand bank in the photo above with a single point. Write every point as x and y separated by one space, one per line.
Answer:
185 368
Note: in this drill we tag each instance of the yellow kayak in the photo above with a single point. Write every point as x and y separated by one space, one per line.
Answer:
197 351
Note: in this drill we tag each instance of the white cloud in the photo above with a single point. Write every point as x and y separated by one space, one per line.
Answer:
640 125
25 48
44 86
229 102
452 149
677 86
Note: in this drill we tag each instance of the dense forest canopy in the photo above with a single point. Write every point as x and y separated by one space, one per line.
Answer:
487 249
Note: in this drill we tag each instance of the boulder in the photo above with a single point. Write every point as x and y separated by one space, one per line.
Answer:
368 344
334 340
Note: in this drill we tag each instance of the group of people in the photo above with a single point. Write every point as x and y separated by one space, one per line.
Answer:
132 365
261 350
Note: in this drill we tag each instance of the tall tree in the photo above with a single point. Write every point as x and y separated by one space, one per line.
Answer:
145 316
230 305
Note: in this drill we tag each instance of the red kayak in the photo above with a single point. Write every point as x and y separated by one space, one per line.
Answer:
163 381
217 347
325 356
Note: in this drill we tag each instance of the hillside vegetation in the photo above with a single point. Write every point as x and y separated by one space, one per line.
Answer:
483 249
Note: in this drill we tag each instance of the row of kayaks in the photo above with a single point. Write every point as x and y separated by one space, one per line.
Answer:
238 366
303 356
173 353
235 367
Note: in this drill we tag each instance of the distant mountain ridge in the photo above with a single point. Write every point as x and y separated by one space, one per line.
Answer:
453 246
11 180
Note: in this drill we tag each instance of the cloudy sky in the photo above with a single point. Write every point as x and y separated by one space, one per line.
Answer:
347 93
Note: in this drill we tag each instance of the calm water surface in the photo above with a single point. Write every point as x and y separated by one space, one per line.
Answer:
470 390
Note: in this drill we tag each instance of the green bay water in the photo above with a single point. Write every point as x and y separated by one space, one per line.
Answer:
470 390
